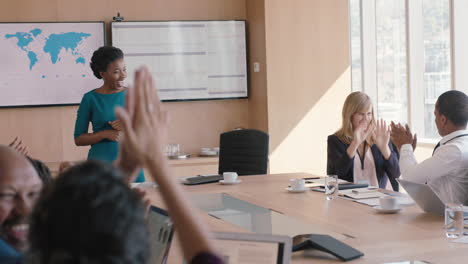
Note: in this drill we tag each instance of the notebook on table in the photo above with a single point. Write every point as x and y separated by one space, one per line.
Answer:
362 193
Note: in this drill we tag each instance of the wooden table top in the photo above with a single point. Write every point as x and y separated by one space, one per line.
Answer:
408 235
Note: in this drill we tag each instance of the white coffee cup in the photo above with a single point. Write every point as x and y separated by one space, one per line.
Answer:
205 149
388 202
297 184
230 176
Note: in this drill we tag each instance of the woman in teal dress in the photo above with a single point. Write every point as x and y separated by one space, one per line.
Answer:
97 107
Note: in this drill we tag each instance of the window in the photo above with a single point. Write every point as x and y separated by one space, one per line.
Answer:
401 53
391 71
355 41
437 57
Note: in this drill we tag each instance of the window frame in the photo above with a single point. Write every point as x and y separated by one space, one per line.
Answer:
414 55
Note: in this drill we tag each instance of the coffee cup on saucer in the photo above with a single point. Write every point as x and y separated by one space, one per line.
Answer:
388 202
297 184
230 177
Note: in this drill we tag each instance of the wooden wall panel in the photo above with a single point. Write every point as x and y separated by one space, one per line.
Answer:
308 76
28 10
258 108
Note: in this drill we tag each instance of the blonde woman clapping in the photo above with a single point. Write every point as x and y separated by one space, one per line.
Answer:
361 151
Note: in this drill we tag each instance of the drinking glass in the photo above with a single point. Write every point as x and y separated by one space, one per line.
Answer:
168 150
175 149
454 220
331 187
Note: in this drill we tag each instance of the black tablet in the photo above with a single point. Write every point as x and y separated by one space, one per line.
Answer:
327 244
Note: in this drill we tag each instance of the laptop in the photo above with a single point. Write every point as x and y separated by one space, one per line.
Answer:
161 232
424 197
240 248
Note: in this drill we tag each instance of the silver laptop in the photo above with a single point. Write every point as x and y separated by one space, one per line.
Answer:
161 232
239 248
424 197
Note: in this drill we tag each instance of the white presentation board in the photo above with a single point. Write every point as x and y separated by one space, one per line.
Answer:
190 60
47 63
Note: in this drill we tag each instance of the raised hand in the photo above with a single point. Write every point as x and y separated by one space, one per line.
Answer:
381 136
145 125
17 144
402 135
144 121
415 142
362 132
414 137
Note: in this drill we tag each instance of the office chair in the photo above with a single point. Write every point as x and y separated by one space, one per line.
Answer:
243 151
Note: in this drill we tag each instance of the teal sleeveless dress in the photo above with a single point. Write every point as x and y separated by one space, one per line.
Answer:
99 110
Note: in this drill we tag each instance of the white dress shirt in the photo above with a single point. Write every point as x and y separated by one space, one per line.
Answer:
446 171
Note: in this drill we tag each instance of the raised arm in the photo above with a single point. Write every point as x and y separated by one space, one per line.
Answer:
145 124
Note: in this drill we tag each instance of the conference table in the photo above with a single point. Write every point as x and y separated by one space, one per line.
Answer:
408 235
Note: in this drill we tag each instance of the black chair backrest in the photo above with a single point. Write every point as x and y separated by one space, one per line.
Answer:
243 151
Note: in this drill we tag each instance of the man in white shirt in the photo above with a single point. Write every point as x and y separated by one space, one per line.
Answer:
447 170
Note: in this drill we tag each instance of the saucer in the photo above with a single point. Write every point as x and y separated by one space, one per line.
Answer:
229 182
296 191
204 154
379 209
208 153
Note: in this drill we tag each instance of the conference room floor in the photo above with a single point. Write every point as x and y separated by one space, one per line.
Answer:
408 235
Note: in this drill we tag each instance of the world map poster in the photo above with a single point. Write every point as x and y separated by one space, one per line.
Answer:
47 63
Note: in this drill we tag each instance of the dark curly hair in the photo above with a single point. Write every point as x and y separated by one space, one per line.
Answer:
88 215
42 170
453 104
102 57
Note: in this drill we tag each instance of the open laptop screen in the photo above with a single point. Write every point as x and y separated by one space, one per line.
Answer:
244 248
160 234
424 197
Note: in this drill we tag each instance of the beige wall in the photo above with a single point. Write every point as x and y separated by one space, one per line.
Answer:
258 110
48 131
308 79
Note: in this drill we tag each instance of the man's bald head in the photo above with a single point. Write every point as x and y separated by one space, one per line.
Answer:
11 160
20 186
